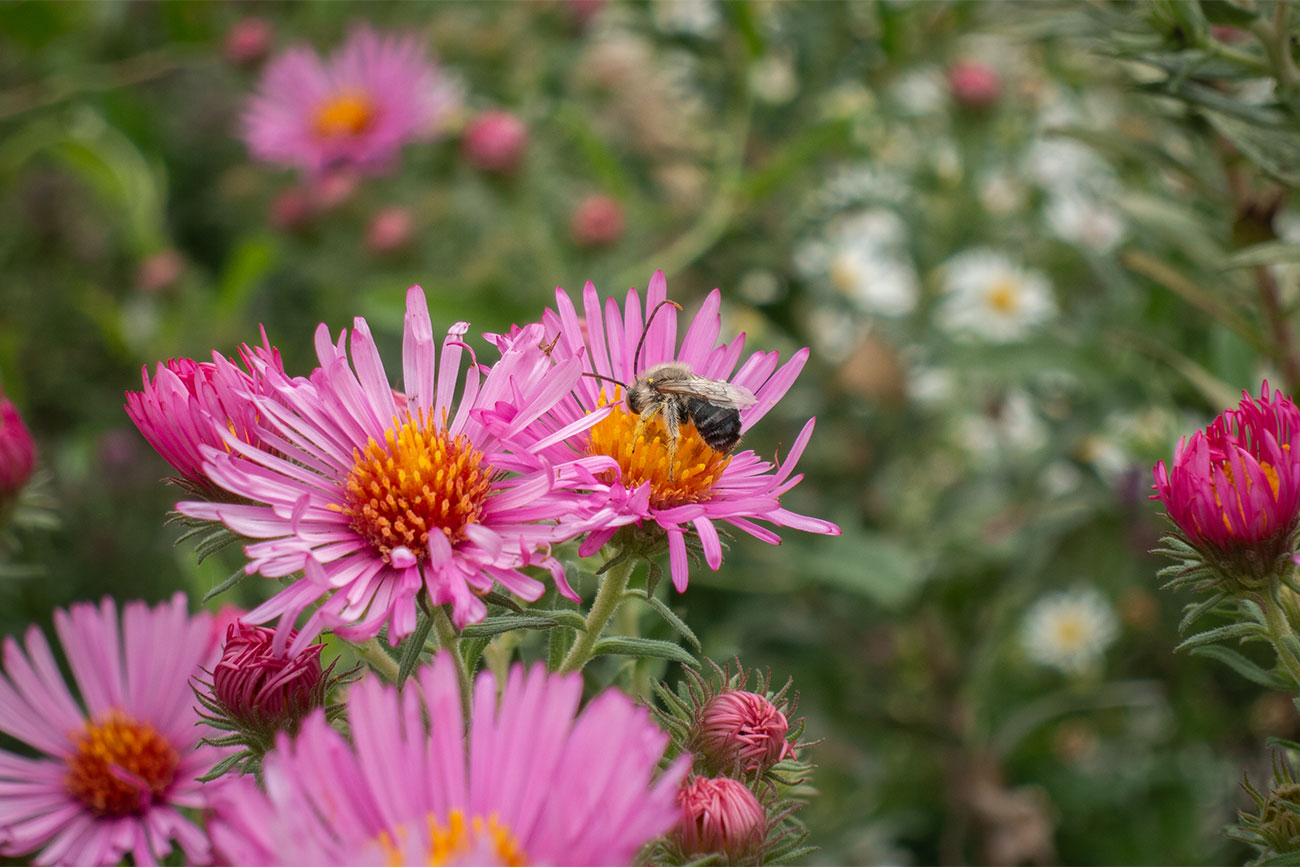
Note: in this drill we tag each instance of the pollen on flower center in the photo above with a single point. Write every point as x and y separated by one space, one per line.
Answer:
1004 296
686 477
344 114
1270 474
420 480
120 765
476 841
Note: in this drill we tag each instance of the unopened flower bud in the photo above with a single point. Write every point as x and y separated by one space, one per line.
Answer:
720 815
264 691
159 271
17 451
495 142
248 41
390 230
598 220
291 210
974 85
741 728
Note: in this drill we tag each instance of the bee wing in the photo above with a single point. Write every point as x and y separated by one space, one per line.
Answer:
713 390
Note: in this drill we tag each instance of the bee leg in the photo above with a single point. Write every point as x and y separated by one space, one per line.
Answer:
672 423
641 419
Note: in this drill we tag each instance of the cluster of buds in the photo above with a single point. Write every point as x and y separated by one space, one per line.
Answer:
1274 828
1233 493
258 690
743 746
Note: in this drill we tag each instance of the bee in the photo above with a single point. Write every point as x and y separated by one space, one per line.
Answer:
677 394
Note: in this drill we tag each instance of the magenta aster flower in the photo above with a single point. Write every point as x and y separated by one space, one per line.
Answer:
357 111
118 764
533 781
1234 488
191 404
377 494
17 451
695 488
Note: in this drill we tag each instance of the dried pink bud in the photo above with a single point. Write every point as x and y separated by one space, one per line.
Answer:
739 727
598 220
974 85
17 450
261 690
495 142
248 41
390 230
720 815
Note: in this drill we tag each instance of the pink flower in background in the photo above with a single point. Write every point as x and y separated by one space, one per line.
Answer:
974 85
720 815
378 494
376 94
534 781
190 404
495 141
263 690
1236 485
17 450
248 41
598 220
697 487
391 229
118 764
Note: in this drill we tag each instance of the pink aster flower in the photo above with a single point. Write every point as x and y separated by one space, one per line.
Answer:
356 111
119 763
534 781
1234 488
691 488
191 404
378 494
17 451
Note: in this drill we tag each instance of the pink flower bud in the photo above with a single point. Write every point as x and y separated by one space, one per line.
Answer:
720 815
390 230
248 41
495 142
598 220
741 727
159 271
17 450
261 690
291 210
974 85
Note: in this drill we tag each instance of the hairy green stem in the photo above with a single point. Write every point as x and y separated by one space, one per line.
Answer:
608 598
378 658
1278 629
450 641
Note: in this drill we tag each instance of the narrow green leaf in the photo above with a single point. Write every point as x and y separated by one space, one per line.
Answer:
413 647
235 577
224 765
1196 612
505 623
1286 859
1243 666
1276 151
561 616
1268 253
494 598
1222 633
670 616
642 648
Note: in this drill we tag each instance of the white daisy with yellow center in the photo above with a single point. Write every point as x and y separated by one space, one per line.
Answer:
1069 630
987 296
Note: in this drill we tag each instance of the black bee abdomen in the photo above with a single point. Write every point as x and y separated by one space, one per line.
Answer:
719 426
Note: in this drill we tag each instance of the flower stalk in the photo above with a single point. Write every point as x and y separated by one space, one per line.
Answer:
1279 631
378 659
608 599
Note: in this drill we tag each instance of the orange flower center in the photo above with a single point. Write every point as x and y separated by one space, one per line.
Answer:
1269 473
120 765
344 114
477 841
1003 296
419 480
642 450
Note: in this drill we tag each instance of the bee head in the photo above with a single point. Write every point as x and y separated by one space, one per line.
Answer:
639 396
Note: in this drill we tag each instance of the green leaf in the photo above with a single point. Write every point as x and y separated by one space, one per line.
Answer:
557 645
1269 253
670 616
1230 14
1222 633
1195 612
505 623
1244 667
226 764
413 647
643 648
235 577
561 616
1286 859
1276 151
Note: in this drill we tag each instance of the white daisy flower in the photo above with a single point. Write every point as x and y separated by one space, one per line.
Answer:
694 17
987 296
1069 630
865 257
1084 220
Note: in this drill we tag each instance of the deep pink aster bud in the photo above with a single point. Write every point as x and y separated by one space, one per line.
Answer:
248 41
495 142
1234 489
159 271
17 450
974 85
598 220
262 690
742 728
720 815
390 230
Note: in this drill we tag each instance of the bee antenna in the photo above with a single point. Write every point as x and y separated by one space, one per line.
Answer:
607 379
636 362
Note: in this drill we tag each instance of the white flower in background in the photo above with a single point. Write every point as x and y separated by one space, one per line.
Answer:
773 79
1085 220
922 90
864 255
1002 191
1013 426
1069 630
1063 165
990 297
694 17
